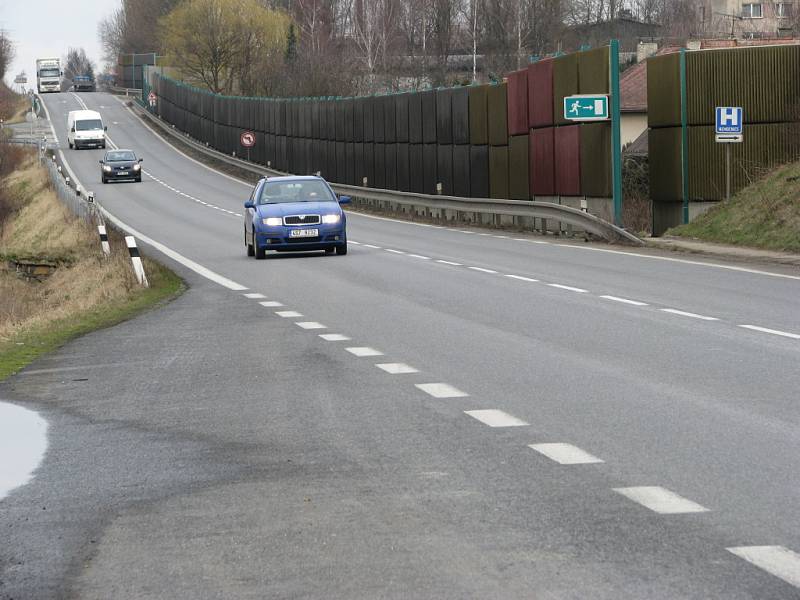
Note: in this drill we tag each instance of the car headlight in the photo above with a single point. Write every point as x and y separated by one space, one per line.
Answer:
272 221
137 167
107 169
331 219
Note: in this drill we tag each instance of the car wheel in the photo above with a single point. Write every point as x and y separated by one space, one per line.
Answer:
105 180
258 252
250 250
103 146
329 250
139 179
70 145
341 250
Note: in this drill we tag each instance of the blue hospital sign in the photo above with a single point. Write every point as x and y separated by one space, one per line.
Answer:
729 120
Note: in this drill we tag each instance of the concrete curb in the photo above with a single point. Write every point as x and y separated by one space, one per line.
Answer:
694 246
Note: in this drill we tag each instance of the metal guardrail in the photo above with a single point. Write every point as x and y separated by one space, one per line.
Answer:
442 204
124 91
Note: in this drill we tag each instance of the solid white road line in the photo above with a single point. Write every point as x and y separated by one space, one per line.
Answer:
660 500
334 337
253 296
310 325
496 418
775 560
271 304
521 278
565 454
420 256
793 336
397 368
288 314
569 288
364 351
449 262
625 301
441 390
683 313
482 270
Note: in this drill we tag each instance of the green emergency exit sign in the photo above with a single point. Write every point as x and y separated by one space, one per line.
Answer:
586 107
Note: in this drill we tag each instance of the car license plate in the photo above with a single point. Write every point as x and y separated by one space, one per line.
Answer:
298 233
122 173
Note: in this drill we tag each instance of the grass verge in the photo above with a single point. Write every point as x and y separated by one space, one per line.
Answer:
765 215
85 291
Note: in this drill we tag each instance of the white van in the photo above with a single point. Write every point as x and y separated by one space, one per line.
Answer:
85 129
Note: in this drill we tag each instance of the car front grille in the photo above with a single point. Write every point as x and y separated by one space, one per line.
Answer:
301 220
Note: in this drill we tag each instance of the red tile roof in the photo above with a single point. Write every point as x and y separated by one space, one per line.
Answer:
633 84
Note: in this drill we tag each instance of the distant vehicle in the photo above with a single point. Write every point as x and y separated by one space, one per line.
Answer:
294 214
83 83
85 129
120 165
48 75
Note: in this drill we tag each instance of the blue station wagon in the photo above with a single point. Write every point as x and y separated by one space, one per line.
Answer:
294 214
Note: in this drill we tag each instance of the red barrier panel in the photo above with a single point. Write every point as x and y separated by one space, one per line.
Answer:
541 156
568 160
540 94
518 102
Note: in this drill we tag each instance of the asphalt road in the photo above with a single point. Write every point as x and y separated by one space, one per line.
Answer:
216 449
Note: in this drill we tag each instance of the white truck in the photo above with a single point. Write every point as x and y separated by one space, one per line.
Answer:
48 74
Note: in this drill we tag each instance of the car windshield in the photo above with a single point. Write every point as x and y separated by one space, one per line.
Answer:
122 155
49 73
88 125
278 192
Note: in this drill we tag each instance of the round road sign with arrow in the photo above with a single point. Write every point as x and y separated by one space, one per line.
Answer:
248 139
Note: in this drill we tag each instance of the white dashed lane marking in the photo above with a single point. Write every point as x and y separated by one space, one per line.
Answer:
496 418
521 278
660 500
569 288
373 246
271 304
288 314
397 368
420 256
364 351
394 251
441 390
793 336
253 296
310 325
624 301
449 262
482 270
334 337
565 454
775 560
683 313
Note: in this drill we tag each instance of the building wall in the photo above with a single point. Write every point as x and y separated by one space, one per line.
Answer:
632 125
727 18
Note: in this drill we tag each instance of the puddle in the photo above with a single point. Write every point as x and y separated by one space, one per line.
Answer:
23 441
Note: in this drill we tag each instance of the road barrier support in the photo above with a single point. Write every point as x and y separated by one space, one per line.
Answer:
101 229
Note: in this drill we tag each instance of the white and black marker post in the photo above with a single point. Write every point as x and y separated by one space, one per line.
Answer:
138 267
104 240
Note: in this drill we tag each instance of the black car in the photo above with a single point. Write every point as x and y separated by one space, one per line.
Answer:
120 165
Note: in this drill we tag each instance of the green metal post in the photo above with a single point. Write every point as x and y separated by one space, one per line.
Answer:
684 139
616 137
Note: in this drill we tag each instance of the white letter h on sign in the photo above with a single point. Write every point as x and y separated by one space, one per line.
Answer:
729 117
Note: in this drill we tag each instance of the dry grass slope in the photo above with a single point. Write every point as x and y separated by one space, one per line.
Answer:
766 215
86 290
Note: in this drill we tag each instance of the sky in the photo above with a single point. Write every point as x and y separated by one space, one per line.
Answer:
43 28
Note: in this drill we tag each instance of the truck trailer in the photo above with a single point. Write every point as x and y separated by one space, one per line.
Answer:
48 74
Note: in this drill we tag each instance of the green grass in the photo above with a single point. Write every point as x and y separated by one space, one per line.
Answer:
26 347
765 215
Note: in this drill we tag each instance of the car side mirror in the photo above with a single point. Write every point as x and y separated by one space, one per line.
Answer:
141 160
72 130
100 161
249 204
345 200
105 128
